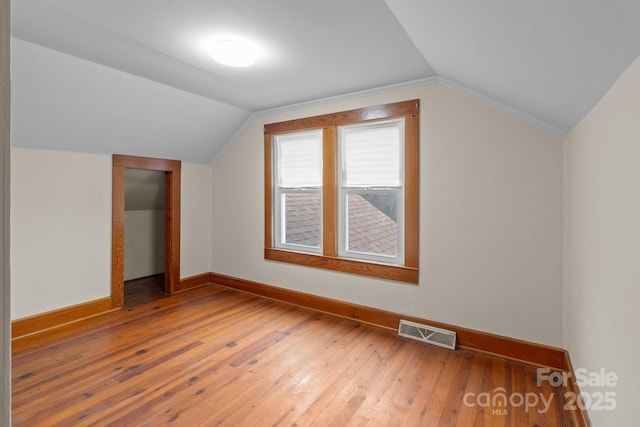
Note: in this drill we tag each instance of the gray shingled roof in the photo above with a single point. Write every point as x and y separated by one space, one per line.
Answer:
303 219
370 229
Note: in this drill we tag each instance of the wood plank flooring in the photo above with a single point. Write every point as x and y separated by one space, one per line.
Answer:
213 356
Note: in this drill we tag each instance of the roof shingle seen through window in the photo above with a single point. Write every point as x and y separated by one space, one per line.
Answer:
370 229
302 216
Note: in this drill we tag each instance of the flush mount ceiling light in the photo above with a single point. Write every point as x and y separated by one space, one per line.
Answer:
235 52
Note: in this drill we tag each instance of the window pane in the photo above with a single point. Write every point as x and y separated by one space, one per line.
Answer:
372 223
302 217
372 154
299 159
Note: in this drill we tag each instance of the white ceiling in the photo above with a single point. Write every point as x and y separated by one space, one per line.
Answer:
549 60
313 49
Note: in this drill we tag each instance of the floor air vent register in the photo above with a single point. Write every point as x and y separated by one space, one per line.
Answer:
428 334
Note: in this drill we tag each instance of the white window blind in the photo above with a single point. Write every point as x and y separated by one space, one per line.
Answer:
372 155
299 159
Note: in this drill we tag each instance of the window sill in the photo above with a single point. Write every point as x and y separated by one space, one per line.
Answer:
363 268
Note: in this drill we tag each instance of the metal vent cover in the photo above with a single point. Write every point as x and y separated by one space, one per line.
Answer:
428 334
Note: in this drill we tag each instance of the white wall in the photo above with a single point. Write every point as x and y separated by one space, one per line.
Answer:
490 229
603 245
143 243
195 220
61 228
5 318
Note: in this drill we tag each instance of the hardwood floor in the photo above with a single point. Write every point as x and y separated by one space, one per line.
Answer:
144 290
213 356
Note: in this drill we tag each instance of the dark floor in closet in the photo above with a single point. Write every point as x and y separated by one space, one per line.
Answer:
143 290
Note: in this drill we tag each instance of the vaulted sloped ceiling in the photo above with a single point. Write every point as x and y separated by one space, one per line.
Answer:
550 59
313 49
546 60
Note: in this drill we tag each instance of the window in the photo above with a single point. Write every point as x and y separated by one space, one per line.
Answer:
341 191
298 191
370 191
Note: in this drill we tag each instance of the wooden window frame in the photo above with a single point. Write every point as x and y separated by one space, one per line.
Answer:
329 259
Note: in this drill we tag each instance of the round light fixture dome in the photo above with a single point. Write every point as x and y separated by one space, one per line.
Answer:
235 53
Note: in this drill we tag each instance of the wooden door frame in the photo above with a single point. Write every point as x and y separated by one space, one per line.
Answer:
172 170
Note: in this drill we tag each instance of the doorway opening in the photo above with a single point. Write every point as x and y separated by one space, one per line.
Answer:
170 221
144 217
